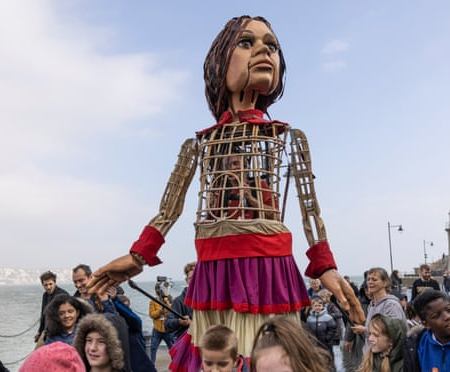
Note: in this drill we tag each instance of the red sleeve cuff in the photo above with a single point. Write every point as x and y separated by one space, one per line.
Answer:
320 260
148 245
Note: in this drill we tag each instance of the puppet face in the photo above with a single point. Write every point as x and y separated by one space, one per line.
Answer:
255 62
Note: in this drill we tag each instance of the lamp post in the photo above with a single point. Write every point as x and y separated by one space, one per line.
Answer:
425 256
399 228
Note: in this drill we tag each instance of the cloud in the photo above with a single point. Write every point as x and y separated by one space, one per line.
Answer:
59 89
332 52
335 46
332 66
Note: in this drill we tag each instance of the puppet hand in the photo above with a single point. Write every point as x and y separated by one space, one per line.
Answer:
344 294
358 329
114 273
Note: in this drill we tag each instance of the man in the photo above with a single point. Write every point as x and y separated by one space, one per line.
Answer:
446 282
424 282
159 315
172 323
81 275
428 349
51 290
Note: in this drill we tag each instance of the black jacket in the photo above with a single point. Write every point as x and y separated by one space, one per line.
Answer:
171 323
46 299
410 357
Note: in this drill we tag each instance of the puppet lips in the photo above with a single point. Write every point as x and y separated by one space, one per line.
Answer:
264 64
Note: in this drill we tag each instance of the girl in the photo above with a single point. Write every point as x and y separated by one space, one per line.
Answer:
98 344
386 339
282 345
62 316
220 352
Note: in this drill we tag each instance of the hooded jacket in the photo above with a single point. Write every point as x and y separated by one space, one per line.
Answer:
396 329
98 323
389 306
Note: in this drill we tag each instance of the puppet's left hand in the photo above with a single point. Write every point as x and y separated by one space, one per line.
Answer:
114 273
337 285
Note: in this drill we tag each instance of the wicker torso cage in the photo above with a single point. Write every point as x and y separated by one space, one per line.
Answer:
240 165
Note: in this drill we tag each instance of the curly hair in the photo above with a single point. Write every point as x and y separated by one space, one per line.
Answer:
299 346
52 320
216 66
98 323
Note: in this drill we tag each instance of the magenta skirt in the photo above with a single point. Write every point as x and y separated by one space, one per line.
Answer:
258 285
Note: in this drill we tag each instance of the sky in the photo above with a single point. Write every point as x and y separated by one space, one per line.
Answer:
96 98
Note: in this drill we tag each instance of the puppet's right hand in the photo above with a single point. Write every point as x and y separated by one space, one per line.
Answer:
114 273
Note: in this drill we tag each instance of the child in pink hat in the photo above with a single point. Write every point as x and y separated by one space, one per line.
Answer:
55 357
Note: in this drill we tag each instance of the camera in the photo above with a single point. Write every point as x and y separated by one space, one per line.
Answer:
163 285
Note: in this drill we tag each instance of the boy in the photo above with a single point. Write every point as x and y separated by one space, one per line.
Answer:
428 349
321 324
219 351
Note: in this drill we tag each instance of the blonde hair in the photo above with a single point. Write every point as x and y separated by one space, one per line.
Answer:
220 338
299 346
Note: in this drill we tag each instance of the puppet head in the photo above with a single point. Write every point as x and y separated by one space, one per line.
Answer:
217 63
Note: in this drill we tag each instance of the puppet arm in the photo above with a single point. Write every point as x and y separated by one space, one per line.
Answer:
144 250
322 264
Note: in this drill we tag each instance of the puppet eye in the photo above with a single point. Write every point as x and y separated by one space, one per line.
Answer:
273 47
245 43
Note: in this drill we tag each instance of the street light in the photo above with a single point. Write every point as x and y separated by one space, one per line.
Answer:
399 228
425 256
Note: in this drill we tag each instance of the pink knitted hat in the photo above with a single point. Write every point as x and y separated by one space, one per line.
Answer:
55 357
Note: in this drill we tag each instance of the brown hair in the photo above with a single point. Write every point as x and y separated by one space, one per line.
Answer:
424 267
189 267
300 347
216 66
98 323
383 276
48 275
220 338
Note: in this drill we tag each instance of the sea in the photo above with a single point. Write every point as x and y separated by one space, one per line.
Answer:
20 308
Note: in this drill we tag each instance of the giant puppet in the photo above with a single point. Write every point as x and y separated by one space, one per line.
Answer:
245 270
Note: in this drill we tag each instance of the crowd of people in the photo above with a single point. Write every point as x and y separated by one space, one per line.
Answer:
100 332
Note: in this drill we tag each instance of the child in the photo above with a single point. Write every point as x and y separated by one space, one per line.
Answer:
428 348
98 344
55 357
386 337
334 311
281 344
219 351
321 324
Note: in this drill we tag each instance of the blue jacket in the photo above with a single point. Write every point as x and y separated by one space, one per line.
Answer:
140 362
423 352
433 354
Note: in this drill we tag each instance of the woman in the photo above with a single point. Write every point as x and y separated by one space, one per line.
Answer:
386 339
98 344
378 286
62 316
